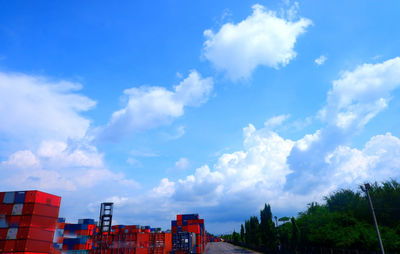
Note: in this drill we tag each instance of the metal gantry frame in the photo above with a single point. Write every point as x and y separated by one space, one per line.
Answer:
106 211
105 222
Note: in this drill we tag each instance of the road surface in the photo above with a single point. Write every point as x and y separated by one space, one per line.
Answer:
222 247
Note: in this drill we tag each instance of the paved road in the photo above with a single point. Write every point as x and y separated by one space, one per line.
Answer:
222 247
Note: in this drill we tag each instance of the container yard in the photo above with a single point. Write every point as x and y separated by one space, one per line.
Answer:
30 224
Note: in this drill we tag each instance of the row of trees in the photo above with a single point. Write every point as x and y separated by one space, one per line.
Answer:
343 221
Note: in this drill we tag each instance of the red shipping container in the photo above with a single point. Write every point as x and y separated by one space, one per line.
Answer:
14 219
2 243
200 221
37 221
1 197
10 245
3 233
6 209
143 237
33 246
194 229
42 198
28 252
141 251
40 209
79 246
60 225
89 245
179 217
81 232
35 234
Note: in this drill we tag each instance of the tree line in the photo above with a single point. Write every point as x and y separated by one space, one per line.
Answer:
343 221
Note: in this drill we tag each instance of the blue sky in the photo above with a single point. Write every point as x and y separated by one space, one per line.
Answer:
202 106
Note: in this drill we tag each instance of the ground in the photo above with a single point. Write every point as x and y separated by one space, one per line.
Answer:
223 247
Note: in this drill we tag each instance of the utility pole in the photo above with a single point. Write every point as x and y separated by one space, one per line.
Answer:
366 188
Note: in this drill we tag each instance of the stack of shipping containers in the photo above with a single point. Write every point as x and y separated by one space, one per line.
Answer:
212 238
188 234
59 234
85 237
76 237
160 242
27 221
132 239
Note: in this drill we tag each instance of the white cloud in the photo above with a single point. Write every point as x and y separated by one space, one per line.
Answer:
378 160
46 142
276 121
41 108
22 159
58 153
176 134
241 180
57 166
361 94
320 60
182 163
262 38
165 189
288 174
353 100
150 107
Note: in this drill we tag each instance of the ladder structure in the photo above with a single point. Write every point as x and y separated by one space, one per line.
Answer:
105 221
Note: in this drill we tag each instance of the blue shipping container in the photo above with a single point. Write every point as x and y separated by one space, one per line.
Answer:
19 197
9 198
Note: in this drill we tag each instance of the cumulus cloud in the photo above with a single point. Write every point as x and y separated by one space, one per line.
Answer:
46 142
287 173
57 166
275 121
182 163
150 106
240 182
320 60
263 38
32 106
354 99
361 94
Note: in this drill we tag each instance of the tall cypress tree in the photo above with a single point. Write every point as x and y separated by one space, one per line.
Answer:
295 241
253 233
246 235
267 229
241 233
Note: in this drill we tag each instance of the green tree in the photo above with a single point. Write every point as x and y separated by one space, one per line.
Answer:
284 219
241 233
235 237
284 234
247 230
252 232
268 232
295 239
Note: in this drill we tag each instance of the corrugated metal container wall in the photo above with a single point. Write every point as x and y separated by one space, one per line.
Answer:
27 221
